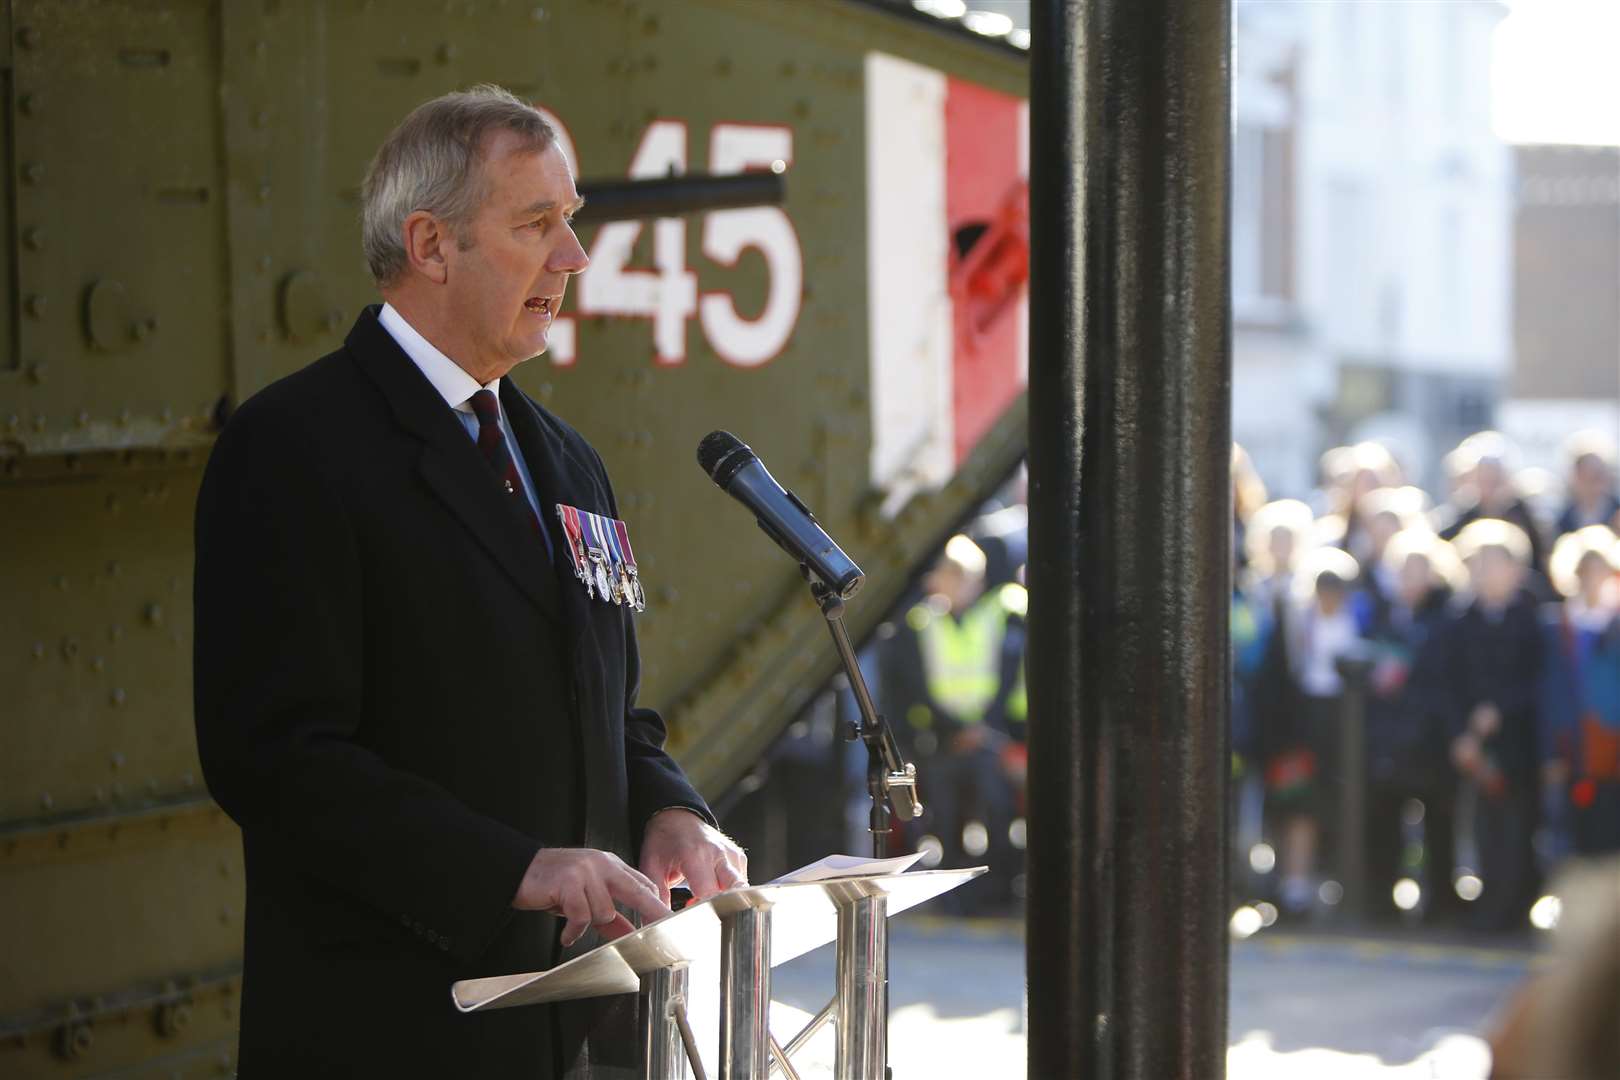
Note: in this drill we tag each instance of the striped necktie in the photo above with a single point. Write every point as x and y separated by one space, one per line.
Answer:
492 441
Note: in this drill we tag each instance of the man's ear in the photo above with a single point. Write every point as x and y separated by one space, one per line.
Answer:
426 239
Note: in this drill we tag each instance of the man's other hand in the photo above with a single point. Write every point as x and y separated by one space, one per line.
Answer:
679 845
1485 720
582 885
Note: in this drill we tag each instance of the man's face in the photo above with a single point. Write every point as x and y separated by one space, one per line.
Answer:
1364 483
1383 526
945 579
1490 479
1497 575
1591 480
1414 580
1281 547
1593 574
510 265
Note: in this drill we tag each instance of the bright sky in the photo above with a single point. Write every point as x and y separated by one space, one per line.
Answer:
1556 72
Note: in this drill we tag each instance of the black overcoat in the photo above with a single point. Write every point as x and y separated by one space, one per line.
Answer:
400 700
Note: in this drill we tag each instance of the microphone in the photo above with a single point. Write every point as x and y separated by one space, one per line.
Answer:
782 514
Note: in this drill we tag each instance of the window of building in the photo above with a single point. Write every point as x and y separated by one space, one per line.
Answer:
1262 221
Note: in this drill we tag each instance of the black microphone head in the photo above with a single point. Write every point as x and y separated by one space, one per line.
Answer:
721 454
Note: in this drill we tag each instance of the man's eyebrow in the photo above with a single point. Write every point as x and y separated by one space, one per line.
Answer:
544 205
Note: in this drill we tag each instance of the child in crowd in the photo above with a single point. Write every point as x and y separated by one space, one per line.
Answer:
1409 784
1491 666
1277 535
1302 775
1384 512
1580 691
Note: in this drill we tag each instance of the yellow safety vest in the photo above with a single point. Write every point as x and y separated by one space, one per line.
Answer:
962 659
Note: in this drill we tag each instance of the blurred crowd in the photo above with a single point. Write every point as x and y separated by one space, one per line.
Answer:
1457 662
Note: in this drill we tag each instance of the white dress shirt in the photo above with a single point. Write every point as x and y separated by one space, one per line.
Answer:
457 388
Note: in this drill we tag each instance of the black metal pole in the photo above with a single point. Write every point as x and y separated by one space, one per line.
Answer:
1130 523
1351 841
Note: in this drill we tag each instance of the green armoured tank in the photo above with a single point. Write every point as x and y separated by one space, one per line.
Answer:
181 220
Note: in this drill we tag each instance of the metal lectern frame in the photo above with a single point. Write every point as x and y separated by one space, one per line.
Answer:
751 928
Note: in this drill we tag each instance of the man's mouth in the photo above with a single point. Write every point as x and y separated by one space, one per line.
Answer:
540 305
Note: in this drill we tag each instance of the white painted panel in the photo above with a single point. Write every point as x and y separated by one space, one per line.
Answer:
909 313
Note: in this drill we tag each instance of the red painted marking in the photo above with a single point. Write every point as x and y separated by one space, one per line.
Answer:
983 189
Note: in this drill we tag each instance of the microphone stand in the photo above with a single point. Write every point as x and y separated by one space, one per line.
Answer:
862 1001
889 776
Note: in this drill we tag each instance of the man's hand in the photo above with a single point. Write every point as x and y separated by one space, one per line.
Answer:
969 738
1465 753
582 885
679 845
1485 720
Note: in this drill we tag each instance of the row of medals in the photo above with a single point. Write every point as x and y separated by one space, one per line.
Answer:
610 580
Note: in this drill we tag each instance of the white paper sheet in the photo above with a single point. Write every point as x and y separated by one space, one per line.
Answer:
843 866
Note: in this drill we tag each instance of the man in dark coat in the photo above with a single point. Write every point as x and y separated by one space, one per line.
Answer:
425 727
1492 660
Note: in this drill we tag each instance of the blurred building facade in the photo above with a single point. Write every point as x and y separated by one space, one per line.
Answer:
1566 298
1372 232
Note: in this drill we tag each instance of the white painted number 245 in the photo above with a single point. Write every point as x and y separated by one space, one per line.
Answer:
667 295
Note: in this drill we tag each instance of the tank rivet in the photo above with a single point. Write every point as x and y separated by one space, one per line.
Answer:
28 37
153 614
117 699
34 238
173 1018
36 306
33 172
72 1041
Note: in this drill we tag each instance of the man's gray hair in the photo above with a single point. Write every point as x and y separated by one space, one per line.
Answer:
433 161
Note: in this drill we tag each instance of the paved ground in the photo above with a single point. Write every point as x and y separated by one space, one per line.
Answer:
1319 1007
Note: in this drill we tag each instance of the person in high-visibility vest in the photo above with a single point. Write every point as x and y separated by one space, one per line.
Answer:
972 706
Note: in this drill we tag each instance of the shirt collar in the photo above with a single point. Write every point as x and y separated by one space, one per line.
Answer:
448 378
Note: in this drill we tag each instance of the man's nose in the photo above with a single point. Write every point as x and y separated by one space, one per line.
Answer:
569 256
